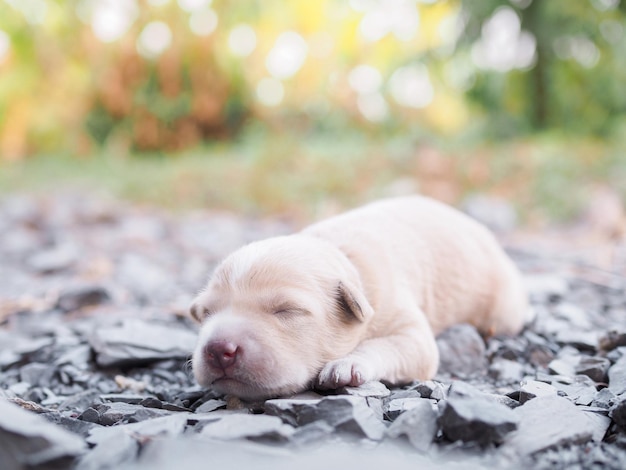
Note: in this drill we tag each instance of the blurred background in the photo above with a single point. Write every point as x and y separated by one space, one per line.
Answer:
300 108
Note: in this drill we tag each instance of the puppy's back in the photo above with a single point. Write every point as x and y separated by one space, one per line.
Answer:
417 249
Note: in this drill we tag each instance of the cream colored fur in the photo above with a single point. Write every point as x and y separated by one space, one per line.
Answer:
354 298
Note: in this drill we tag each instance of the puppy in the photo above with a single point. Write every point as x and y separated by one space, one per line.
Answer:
354 298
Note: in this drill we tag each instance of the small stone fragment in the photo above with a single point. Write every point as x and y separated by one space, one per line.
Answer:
618 412
135 342
368 389
210 405
461 352
244 426
418 424
612 339
345 413
594 367
398 406
605 398
617 376
84 296
549 422
506 371
532 388
90 415
472 419
28 440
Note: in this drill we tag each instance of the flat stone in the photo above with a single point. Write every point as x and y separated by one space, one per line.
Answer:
465 390
83 296
81 401
549 422
425 388
369 389
618 412
311 433
135 342
582 340
530 389
617 376
397 406
112 413
37 374
131 399
473 419
605 398
210 405
73 425
245 426
418 424
28 440
117 449
171 425
612 339
461 352
344 413
562 367
506 371
581 391
594 367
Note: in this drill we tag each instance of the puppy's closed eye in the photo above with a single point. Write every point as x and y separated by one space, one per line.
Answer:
287 308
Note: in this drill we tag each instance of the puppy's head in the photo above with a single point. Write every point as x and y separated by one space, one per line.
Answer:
274 313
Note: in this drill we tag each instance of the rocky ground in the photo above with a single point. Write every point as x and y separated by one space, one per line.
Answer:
94 345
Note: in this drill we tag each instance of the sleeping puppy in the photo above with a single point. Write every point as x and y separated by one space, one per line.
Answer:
354 298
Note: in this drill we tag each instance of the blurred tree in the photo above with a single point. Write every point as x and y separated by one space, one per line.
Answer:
572 81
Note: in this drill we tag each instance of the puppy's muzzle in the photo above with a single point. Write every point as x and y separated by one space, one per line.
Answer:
220 354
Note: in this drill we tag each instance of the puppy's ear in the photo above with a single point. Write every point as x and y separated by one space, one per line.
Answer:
353 301
196 310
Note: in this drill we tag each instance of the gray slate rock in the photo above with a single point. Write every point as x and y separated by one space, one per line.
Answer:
344 413
397 406
27 439
612 339
549 422
506 371
594 367
473 419
418 424
137 341
246 426
112 413
465 390
111 452
461 352
37 374
369 389
530 389
73 425
582 340
582 390
617 376
618 412
83 296
604 399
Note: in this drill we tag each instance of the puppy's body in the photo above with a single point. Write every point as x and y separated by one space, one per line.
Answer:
357 297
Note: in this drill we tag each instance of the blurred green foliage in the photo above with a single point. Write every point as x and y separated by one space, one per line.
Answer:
168 74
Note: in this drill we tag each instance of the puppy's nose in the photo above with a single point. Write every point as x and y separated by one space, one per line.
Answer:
221 354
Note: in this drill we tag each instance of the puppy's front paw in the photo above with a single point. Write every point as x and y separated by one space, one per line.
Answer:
342 372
